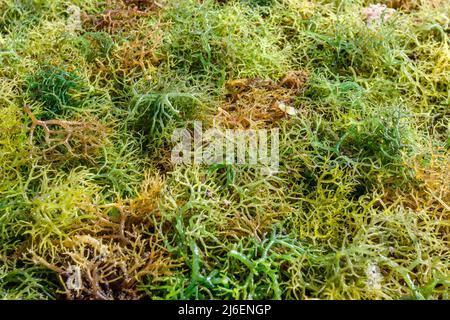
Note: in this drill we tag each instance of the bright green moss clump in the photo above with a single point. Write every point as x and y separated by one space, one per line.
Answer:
91 206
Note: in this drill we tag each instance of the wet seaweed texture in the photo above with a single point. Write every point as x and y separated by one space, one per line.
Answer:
92 206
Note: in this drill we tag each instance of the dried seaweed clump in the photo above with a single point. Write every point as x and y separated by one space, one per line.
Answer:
62 138
430 190
256 103
433 173
122 245
137 54
135 40
119 15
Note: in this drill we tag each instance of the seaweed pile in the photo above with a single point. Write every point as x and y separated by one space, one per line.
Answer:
91 207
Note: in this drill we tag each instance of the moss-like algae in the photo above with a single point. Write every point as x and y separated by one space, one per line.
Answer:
92 208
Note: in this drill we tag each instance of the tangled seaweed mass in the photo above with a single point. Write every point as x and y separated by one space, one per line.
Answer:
92 207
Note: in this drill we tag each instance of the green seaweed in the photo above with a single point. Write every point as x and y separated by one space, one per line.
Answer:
358 208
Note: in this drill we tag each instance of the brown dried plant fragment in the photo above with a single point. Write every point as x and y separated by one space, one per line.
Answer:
431 190
255 103
138 53
120 15
78 138
113 254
